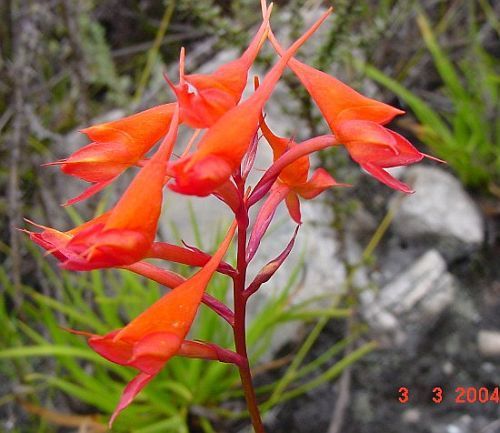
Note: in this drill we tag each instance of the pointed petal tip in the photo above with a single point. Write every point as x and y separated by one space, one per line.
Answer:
112 419
131 390
76 332
386 178
94 188
31 222
433 158
170 82
58 162
404 188
40 226
182 65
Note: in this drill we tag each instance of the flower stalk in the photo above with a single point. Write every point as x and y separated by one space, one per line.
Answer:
240 303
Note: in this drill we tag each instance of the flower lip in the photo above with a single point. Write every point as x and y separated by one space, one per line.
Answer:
202 178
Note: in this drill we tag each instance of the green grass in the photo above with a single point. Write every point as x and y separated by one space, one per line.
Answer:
467 134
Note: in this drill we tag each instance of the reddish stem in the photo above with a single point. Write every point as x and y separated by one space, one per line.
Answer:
240 300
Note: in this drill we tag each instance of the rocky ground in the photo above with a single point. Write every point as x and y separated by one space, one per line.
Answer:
433 305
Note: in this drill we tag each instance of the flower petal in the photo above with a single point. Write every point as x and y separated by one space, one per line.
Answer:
362 138
131 390
293 205
319 182
336 100
152 351
90 191
384 177
264 218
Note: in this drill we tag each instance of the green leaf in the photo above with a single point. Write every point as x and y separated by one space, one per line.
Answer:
51 350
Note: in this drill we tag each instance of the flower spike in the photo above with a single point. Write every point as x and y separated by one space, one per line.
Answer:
218 160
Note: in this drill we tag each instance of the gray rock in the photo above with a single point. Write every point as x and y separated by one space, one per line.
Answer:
463 424
440 211
406 308
411 416
489 343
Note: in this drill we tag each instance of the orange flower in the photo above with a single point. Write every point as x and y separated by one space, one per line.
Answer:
159 332
356 121
125 234
294 176
204 98
222 148
291 183
374 148
55 241
116 146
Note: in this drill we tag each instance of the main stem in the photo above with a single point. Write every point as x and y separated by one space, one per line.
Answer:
240 301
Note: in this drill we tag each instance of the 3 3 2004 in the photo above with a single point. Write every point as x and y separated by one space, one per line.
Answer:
462 395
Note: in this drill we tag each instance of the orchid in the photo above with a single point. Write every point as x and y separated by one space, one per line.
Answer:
204 98
116 146
125 234
357 122
124 237
294 177
157 334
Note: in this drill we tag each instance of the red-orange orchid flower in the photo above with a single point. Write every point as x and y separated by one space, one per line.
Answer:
222 148
116 146
374 148
356 121
204 98
291 183
159 332
295 176
125 234
55 241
